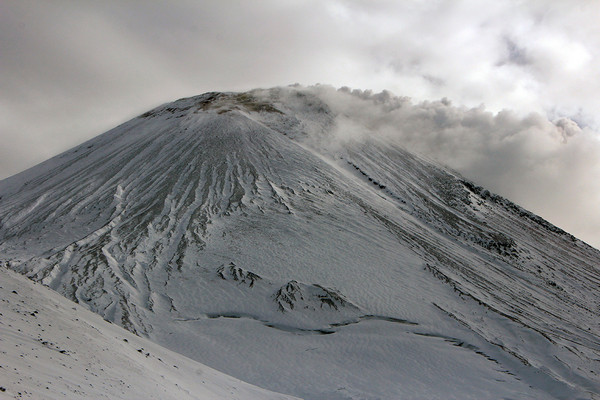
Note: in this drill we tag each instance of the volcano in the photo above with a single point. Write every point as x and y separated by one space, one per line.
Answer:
237 230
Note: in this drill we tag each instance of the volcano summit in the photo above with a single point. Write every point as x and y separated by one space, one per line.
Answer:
238 230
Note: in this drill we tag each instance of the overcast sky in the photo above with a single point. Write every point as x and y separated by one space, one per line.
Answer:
70 70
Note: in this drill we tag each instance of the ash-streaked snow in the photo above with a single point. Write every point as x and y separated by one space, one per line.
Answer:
233 228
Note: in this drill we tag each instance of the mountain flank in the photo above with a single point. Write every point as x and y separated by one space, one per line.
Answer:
241 230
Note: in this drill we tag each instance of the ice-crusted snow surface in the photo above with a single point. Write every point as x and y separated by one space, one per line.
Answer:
233 229
52 348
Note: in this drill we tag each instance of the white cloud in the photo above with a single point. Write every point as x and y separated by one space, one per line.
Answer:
550 168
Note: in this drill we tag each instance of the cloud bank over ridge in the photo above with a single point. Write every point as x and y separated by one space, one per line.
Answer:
549 167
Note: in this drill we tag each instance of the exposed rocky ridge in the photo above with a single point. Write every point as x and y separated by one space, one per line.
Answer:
237 274
292 296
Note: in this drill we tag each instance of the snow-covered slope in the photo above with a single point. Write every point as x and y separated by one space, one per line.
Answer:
234 229
52 348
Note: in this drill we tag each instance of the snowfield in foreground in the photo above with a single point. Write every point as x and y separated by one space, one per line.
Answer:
52 348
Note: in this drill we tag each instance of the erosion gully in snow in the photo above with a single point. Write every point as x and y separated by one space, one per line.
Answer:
233 228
